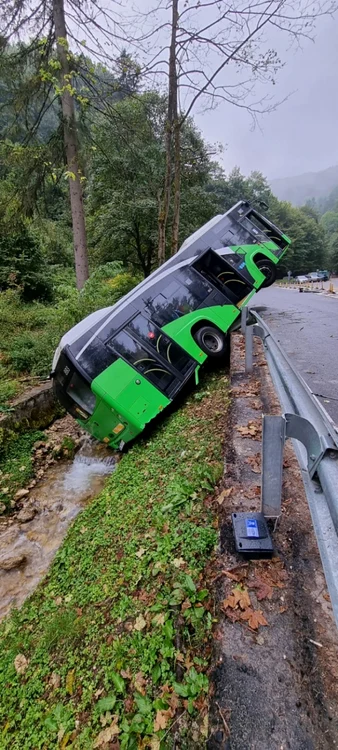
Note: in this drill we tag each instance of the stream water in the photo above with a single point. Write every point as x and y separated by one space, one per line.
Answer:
58 498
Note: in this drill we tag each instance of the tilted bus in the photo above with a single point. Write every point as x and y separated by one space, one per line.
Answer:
121 366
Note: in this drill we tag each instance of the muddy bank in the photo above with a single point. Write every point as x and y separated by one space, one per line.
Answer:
31 537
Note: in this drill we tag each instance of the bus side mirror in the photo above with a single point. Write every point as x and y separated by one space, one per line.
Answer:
263 204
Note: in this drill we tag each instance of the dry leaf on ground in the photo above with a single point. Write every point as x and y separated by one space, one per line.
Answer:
140 623
140 683
161 720
159 619
254 618
264 589
238 597
20 663
107 734
225 493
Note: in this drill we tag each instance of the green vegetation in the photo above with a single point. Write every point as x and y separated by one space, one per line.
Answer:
16 466
117 636
31 332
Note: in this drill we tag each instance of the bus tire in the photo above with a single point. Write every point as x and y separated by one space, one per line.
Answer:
269 269
211 340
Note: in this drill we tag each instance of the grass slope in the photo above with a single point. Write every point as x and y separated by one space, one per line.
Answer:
114 646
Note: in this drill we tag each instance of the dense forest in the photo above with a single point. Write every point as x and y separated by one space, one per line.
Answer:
121 129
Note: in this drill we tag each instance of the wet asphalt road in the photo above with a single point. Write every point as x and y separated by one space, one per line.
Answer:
306 326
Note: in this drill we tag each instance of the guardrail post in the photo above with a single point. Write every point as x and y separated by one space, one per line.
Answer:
273 441
244 318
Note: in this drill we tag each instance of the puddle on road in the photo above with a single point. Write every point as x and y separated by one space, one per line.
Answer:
58 498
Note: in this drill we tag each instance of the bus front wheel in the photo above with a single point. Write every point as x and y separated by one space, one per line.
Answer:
268 268
211 340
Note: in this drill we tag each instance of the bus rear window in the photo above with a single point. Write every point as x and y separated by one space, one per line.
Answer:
80 392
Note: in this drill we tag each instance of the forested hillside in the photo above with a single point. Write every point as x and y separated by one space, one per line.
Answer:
121 132
302 188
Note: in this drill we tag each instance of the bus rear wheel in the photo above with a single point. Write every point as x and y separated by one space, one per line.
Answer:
211 340
268 268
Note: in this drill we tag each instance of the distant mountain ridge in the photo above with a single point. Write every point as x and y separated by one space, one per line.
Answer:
304 187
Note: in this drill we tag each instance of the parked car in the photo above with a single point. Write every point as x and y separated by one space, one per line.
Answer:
314 276
324 275
302 279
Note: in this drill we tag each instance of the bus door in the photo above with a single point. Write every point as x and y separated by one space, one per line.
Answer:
227 273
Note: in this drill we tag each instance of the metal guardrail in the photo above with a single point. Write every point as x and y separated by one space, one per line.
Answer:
315 439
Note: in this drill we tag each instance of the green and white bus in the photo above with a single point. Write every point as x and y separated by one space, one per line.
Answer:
121 366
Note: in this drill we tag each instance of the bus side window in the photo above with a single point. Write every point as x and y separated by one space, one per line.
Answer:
164 309
198 287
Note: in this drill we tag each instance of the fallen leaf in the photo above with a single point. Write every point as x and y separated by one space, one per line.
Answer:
140 552
254 618
20 663
140 623
178 562
179 656
83 530
239 596
232 576
159 619
128 704
204 728
161 720
326 596
107 734
174 702
70 682
140 683
225 493
233 614
126 674
155 743
264 590
55 680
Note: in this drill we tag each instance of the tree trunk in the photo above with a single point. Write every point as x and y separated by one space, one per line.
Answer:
171 117
71 148
177 187
165 201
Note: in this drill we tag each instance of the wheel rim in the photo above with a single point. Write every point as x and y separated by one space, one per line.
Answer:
213 342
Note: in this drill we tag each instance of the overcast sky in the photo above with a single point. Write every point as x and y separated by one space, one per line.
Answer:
302 134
